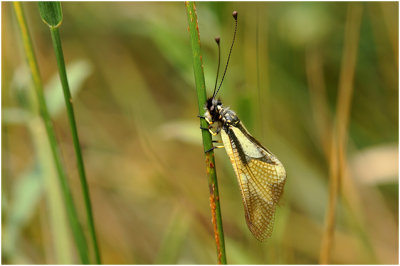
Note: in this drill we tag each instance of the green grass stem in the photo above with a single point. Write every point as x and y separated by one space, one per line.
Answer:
70 207
207 139
52 16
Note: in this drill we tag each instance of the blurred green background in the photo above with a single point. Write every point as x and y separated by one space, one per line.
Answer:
130 69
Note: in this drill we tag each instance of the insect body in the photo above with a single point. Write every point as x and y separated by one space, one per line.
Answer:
261 176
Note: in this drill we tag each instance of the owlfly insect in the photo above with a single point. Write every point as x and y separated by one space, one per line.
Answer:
261 176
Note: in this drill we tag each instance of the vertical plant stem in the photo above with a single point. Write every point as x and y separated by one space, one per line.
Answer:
318 98
55 36
44 113
339 136
207 139
259 96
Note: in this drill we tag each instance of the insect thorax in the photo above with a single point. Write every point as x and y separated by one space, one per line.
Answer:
216 112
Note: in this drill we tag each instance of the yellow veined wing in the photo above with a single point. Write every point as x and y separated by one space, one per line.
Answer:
260 174
261 177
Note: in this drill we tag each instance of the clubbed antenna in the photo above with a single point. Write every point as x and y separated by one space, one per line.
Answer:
217 39
234 14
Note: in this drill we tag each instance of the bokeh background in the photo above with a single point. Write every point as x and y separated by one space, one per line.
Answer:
131 73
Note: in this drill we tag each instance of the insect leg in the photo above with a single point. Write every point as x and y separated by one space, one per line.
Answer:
215 147
212 132
209 130
208 121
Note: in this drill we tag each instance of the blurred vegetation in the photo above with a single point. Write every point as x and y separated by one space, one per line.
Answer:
131 74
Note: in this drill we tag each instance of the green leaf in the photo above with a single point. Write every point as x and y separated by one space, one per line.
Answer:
15 115
25 198
51 13
78 72
181 130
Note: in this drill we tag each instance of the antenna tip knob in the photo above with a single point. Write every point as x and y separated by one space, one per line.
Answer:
217 39
234 14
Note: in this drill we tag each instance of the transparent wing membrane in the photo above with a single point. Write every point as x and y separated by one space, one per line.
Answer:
261 179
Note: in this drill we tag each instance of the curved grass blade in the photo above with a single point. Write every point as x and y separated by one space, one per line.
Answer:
72 214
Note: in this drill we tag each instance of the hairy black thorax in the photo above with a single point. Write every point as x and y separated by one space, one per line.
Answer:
216 112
